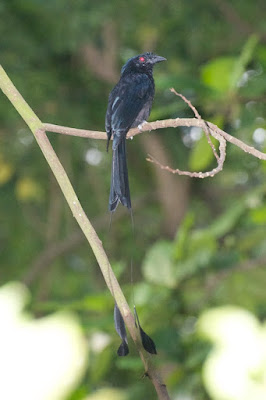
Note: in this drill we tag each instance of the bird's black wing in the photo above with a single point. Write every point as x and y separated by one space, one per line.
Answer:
132 94
108 116
129 101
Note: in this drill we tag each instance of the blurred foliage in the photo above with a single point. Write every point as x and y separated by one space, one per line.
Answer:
41 359
64 57
236 367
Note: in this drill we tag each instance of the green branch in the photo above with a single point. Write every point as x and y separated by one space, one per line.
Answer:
38 130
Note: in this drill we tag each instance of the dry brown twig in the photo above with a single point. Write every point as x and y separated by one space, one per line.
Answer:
208 128
197 115
208 133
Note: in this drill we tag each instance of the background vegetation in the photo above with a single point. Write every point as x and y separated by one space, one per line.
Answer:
198 244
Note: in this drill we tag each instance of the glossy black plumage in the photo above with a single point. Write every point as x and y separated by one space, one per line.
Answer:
121 330
129 105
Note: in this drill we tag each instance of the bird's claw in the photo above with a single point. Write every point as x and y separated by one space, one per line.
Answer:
140 126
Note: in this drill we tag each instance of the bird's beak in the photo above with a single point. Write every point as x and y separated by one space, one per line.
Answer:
157 59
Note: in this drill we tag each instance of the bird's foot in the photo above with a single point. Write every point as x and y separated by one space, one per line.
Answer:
140 126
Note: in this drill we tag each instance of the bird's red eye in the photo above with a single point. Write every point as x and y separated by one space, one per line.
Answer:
142 59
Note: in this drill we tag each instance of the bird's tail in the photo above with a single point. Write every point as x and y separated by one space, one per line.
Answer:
119 191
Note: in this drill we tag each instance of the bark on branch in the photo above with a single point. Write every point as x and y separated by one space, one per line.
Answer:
39 131
208 127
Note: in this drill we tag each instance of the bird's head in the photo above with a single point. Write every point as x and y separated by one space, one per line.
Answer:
142 63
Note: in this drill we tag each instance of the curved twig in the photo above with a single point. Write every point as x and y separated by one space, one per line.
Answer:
152 126
198 116
206 126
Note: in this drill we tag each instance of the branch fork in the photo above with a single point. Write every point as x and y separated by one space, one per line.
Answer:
39 130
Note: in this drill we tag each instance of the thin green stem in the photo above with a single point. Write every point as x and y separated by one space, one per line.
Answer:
38 130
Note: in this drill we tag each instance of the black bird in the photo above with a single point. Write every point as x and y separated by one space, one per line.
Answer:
129 105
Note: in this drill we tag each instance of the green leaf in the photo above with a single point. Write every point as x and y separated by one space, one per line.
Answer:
261 53
96 302
227 220
201 156
130 363
217 73
158 264
101 365
183 235
202 247
243 60
222 74
258 215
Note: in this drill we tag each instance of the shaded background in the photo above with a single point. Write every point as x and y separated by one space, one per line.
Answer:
198 243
